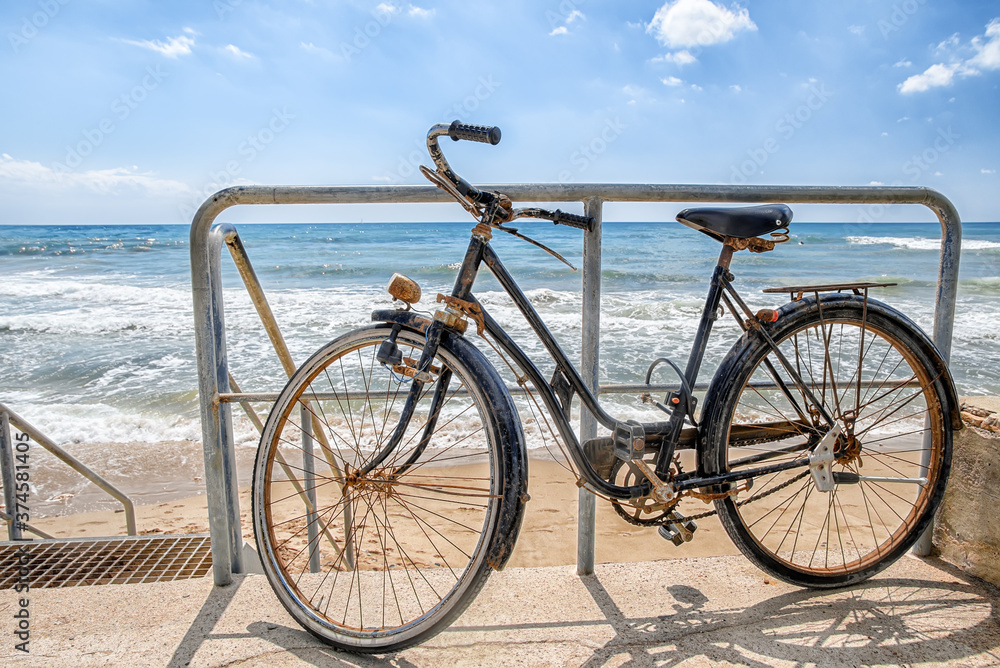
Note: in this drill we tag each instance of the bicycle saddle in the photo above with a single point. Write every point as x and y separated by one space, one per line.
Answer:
740 222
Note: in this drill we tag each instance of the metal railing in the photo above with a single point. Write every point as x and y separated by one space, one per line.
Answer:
214 385
15 529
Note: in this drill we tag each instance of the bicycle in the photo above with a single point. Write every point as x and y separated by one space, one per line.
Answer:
409 477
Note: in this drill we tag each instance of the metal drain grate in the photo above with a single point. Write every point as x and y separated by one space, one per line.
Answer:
98 561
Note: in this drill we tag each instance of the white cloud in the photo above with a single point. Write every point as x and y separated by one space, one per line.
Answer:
172 48
237 52
420 12
309 47
386 8
636 94
875 183
987 171
696 87
736 88
28 173
948 44
570 18
682 58
903 63
672 81
687 23
933 76
884 134
856 30
986 56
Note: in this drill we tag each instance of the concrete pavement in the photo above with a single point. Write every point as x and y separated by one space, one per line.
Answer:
691 612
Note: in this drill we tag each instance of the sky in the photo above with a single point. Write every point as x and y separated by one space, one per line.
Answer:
132 112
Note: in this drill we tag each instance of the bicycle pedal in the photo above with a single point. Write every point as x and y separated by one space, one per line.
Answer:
630 440
679 532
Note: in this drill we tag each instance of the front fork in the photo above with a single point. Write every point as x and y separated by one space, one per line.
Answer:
422 376
435 331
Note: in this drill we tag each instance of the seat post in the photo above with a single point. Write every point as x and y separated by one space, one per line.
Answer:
725 257
708 317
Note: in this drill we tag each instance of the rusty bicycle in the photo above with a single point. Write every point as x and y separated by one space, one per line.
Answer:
392 472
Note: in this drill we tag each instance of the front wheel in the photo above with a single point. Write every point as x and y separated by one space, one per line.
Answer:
377 560
869 369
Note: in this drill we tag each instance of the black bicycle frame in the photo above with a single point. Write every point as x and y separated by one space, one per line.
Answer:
479 252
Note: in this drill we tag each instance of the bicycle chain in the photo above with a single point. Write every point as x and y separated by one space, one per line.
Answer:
619 507
709 513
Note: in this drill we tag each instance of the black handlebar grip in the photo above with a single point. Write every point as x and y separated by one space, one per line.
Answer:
573 220
481 133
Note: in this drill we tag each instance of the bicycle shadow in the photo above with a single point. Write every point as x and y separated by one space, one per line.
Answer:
892 620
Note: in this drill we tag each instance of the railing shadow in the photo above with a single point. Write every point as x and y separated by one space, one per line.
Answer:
889 620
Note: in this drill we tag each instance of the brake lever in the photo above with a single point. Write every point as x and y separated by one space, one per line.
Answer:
445 184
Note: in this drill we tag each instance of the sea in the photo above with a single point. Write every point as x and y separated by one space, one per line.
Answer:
97 337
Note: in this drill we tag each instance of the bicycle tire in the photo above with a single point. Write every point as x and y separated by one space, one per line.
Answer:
401 551
871 369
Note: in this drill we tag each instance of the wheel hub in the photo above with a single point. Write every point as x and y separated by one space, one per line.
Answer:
848 449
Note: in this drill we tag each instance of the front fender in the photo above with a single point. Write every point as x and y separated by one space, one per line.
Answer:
514 456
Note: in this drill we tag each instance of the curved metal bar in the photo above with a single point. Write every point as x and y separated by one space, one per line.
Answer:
209 338
41 439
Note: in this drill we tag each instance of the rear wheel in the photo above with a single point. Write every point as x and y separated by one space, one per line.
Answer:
377 560
866 368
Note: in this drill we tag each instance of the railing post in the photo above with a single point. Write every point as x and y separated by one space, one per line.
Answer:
944 321
589 363
309 471
7 465
216 422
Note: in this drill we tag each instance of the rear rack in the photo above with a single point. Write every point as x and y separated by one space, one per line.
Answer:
797 291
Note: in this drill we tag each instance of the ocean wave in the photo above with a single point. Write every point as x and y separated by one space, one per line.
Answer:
986 285
922 243
642 278
85 245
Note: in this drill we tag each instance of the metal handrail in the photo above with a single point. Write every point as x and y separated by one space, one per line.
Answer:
41 439
213 383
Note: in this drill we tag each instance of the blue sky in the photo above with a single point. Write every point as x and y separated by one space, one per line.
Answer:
134 112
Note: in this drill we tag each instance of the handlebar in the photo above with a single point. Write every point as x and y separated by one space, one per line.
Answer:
481 133
476 201
573 220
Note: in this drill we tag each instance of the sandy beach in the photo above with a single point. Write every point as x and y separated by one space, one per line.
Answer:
547 538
